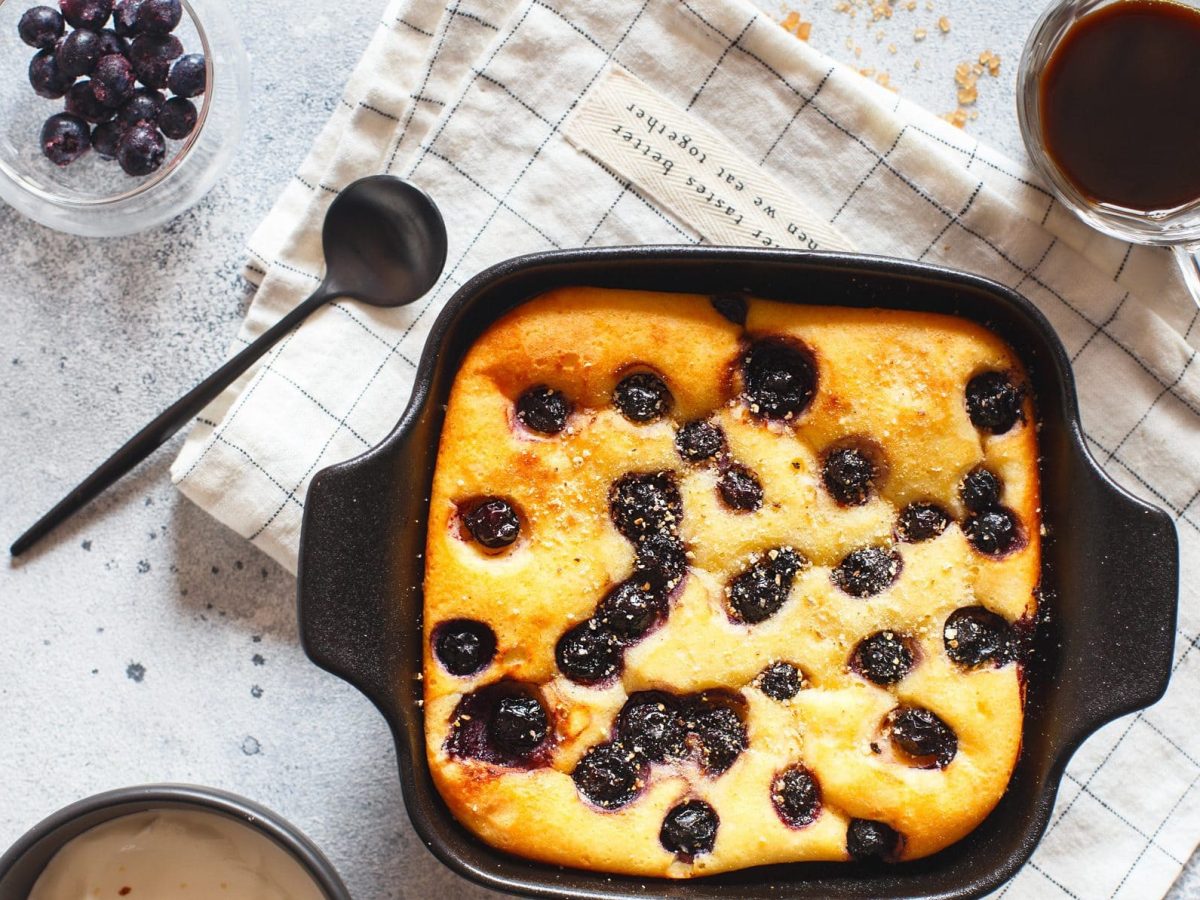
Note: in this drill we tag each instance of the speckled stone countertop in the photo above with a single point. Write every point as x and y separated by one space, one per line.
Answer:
145 642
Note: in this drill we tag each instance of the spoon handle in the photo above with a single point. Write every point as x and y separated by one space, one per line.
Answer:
158 432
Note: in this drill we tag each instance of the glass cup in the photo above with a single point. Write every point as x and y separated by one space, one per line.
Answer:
93 197
1177 228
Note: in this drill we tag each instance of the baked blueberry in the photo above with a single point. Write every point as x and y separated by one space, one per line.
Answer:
141 149
588 654
690 829
867 571
796 796
651 726
980 489
104 139
125 17
46 78
543 409
178 118
143 106
40 27
923 735
720 734
757 593
883 658
698 441
151 56
921 522
849 475
83 102
779 379
65 138
780 681
642 504
994 402
158 16
993 532
609 775
732 307
740 489
113 81
643 397
868 840
89 14
661 562
464 646
78 53
493 523
629 610
974 635
519 724
112 43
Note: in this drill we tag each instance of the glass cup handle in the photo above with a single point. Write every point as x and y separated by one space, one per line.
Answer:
1188 257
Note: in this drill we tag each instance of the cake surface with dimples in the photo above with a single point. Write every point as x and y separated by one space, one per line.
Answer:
720 582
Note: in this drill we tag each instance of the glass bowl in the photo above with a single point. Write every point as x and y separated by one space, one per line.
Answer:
93 197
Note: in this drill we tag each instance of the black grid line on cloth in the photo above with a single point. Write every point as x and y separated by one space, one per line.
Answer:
317 403
1096 331
799 109
1192 324
479 20
219 437
717 65
1107 756
1149 409
987 162
483 76
1105 805
256 268
203 421
608 212
1124 262
962 212
1166 737
345 310
634 192
1153 841
1180 514
424 98
1054 881
882 160
411 26
313 188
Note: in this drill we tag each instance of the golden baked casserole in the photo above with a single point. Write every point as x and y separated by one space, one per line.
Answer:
720 582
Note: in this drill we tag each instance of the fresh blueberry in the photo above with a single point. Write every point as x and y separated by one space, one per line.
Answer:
661 561
608 775
883 658
113 81
980 490
65 138
89 14
628 611
40 27
975 635
540 408
868 840
141 149
519 724
492 522
922 734
82 101
732 307
104 139
651 726
642 504
188 76
721 735
178 118
698 441
642 397
993 532
779 379
588 654
740 489
125 17
757 593
78 53
111 43
921 522
796 796
47 79
464 646
849 475
143 106
151 56
158 16
690 829
994 403
780 681
867 571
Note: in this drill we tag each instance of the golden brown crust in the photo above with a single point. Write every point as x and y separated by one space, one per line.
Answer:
895 378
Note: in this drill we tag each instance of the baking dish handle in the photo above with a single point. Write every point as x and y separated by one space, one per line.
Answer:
1118 603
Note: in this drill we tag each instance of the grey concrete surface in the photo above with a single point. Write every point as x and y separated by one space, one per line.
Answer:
147 643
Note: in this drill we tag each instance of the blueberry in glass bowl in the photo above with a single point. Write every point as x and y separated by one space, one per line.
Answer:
162 87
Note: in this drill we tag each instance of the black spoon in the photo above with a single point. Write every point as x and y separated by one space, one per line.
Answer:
385 245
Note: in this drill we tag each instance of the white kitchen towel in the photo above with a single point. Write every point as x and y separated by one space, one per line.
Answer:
469 100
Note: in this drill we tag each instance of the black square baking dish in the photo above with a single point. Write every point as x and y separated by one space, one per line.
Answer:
1110 567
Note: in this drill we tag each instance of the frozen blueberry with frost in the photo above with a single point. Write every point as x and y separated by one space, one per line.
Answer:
158 16
89 14
868 840
921 522
643 397
78 53
849 475
757 593
464 646
125 17
143 106
543 409
83 102
698 441
922 734
975 635
492 522
40 27
141 149
883 658
113 81
740 489
111 43
651 725
993 532
65 138
780 681
188 76
609 775
588 653
779 379
177 118
105 137
867 571
690 829
151 56
796 796
994 403
46 78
